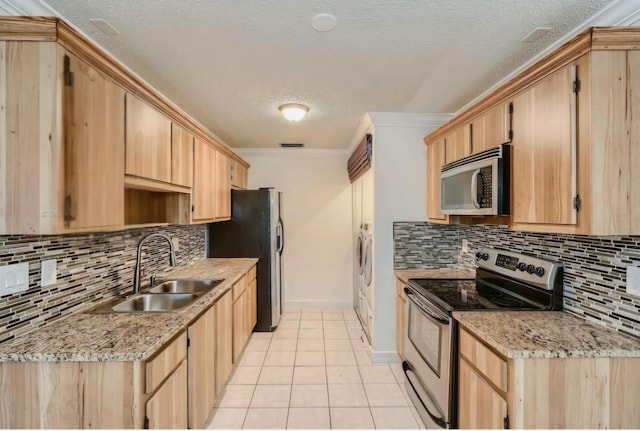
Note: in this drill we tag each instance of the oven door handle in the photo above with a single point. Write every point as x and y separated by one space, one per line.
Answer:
406 367
424 308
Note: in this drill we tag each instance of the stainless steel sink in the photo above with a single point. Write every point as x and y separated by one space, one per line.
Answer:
165 296
160 302
184 286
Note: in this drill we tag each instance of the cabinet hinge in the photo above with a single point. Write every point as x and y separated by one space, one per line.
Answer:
67 209
577 203
511 108
506 422
193 208
510 135
576 85
68 75
146 423
188 342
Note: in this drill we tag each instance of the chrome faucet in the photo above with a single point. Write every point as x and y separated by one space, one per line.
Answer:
136 273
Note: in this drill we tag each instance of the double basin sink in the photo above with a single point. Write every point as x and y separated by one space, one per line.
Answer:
164 296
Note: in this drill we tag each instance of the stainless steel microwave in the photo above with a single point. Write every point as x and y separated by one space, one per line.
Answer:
477 185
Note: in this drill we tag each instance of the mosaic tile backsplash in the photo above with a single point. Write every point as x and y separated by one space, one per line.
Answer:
595 267
91 268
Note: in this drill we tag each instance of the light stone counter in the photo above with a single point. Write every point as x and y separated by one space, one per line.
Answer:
405 275
546 334
123 336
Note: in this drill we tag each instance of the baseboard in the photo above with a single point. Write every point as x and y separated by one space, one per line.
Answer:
328 305
384 357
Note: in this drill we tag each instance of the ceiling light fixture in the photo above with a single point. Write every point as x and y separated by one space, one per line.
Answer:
293 111
324 22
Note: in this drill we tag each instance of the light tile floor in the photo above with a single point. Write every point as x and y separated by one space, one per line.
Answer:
314 371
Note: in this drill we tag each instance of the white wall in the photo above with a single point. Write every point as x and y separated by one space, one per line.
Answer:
399 177
318 255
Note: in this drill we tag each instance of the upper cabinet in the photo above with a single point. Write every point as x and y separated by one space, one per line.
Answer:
181 156
93 113
491 128
573 121
203 202
58 177
435 160
239 174
544 151
85 146
148 141
458 144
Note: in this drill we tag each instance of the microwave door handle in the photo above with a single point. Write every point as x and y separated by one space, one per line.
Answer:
474 187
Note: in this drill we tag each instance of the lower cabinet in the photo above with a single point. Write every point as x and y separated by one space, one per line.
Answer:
481 406
175 388
224 341
551 393
167 408
401 310
202 370
244 311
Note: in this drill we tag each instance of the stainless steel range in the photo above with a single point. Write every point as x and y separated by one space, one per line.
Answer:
504 281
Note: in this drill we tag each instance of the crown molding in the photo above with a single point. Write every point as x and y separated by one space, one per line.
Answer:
400 119
618 13
319 153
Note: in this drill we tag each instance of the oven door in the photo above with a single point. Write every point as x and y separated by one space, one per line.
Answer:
428 353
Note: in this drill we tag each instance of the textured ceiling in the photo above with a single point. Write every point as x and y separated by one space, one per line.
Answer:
231 63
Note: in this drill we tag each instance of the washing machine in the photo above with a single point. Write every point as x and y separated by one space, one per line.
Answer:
367 278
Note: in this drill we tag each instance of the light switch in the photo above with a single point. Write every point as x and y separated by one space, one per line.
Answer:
176 244
14 278
633 280
465 246
48 272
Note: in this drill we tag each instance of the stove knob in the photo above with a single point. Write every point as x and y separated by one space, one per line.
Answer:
531 269
479 255
522 266
485 256
539 271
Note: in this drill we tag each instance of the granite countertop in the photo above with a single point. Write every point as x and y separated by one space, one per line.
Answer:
406 274
122 336
546 334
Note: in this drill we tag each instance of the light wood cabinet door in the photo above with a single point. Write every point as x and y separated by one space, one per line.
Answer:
148 141
490 129
167 408
543 164
94 148
253 304
239 175
202 381
239 325
458 144
203 193
224 341
480 406
181 156
435 160
401 306
222 183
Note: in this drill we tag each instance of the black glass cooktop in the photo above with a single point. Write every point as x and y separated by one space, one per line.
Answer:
462 295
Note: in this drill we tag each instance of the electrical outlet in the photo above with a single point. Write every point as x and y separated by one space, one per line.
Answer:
176 244
633 280
14 278
48 272
465 246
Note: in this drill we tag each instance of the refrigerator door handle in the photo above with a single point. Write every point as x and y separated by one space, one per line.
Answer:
280 234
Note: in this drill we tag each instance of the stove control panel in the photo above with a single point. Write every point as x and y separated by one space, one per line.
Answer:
526 268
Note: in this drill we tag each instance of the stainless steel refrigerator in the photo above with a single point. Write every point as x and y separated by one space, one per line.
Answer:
255 230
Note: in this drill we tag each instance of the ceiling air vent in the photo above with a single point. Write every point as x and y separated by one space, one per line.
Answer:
291 145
